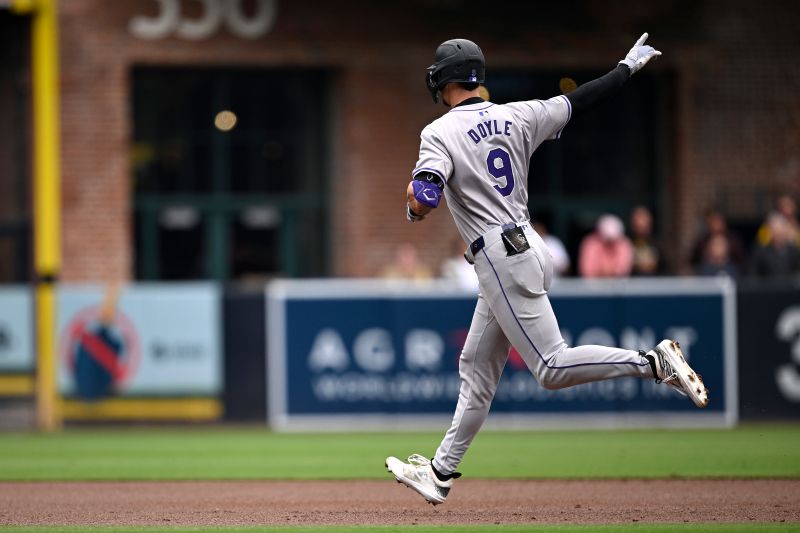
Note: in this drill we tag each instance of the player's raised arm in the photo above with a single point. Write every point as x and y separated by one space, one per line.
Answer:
592 92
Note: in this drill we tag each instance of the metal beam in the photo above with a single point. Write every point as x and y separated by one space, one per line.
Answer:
46 199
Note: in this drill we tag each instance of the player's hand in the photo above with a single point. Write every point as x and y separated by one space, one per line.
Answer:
640 54
411 216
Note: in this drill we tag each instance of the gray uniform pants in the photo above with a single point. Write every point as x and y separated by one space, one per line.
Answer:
513 309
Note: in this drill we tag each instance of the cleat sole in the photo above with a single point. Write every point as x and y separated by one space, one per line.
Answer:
691 381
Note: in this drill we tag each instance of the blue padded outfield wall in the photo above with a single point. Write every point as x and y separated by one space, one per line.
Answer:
347 354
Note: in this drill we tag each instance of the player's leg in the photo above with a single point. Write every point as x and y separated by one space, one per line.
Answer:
515 287
481 363
480 366
555 365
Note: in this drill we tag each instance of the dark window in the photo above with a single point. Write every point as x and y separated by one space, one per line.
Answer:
228 172
15 212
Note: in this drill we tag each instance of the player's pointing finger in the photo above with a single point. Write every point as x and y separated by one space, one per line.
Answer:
641 40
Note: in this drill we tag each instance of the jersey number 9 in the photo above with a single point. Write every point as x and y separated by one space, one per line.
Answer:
498 163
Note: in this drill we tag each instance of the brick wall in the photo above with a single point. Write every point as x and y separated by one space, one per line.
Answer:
737 114
740 115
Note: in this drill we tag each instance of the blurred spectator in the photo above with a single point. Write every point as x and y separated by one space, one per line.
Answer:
406 265
716 224
786 206
781 256
558 253
606 252
717 259
456 268
647 258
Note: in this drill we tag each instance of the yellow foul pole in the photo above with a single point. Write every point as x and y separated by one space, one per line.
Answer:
47 200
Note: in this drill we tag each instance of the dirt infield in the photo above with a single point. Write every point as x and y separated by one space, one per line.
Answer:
385 502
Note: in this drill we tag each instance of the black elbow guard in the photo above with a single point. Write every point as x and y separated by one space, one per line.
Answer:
430 177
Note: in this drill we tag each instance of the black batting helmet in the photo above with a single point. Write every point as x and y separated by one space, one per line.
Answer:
456 60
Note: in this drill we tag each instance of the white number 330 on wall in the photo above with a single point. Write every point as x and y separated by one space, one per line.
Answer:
214 13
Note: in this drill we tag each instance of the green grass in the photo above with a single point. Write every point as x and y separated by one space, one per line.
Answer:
137 453
657 528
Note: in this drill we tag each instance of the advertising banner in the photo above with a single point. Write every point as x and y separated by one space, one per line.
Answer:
16 330
769 341
351 354
145 340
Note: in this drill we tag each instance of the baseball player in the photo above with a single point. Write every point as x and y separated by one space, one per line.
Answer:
477 155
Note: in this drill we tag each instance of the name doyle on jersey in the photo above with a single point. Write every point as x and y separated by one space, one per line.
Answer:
487 128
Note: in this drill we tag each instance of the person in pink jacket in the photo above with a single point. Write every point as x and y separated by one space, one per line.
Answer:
606 252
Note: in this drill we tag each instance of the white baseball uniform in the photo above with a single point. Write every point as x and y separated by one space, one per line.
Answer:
482 151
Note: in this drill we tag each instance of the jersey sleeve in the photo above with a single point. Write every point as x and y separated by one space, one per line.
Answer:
544 118
433 156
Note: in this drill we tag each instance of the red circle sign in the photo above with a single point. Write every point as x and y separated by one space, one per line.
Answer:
80 332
